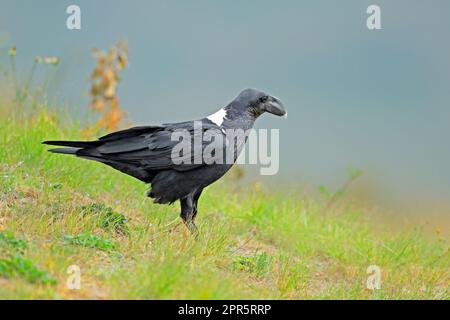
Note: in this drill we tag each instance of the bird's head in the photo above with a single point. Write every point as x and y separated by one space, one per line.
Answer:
256 102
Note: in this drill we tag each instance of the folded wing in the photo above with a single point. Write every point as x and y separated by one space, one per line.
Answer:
143 151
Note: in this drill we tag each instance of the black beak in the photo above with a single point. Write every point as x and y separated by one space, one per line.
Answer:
274 106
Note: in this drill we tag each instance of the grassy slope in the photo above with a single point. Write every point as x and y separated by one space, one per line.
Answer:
253 245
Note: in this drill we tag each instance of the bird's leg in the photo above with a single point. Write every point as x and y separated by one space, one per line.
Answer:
195 201
187 214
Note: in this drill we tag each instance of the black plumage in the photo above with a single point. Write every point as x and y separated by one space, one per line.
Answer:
146 152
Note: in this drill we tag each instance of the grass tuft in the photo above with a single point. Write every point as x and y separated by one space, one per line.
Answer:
17 266
90 241
108 218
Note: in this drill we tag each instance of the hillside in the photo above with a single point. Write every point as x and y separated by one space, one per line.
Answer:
57 211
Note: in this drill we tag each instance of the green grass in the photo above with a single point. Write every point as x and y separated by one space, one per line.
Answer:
57 211
90 241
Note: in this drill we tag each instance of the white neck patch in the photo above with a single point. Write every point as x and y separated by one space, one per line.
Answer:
218 117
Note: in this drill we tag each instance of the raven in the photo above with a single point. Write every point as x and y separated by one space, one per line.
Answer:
147 152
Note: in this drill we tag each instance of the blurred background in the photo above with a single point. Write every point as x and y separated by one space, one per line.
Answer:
373 100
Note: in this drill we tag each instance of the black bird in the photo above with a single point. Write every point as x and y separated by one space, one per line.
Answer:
145 152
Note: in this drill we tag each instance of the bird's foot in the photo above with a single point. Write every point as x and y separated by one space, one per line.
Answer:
192 228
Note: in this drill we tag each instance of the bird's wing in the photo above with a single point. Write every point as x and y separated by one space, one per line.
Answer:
131 132
150 148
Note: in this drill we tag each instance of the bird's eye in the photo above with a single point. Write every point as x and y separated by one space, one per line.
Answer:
264 99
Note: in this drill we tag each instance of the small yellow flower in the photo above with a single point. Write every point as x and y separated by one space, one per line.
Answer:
51 60
12 51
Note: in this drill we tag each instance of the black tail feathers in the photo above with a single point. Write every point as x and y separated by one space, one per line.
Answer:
74 144
65 150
